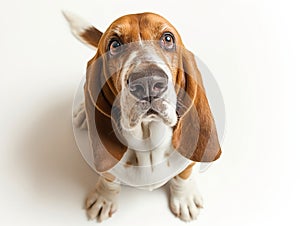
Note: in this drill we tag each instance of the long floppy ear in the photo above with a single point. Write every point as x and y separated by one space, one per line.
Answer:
82 30
195 135
99 99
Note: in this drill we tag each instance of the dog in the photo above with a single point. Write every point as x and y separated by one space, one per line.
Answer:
146 112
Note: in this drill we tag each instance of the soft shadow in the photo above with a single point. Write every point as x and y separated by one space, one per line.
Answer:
50 156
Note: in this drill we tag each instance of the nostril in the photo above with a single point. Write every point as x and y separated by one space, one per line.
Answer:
136 88
145 87
159 86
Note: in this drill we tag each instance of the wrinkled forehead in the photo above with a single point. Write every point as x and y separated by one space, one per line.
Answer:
140 27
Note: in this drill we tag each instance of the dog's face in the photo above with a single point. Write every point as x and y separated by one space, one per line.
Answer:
141 72
141 54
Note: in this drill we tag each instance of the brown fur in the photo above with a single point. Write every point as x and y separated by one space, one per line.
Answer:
185 174
196 122
92 36
99 104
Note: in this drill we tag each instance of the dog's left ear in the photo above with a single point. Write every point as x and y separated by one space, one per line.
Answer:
83 30
195 135
99 99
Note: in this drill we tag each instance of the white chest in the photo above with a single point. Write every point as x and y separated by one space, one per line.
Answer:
150 160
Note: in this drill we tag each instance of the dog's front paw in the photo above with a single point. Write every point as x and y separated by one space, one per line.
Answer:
185 199
99 207
79 117
102 202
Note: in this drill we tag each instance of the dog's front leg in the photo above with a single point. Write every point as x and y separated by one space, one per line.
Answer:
102 202
185 199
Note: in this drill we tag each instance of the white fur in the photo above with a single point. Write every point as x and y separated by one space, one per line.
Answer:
126 66
117 31
102 202
164 27
127 101
159 134
77 25
79 117
150 143
141 40
185 199
150 140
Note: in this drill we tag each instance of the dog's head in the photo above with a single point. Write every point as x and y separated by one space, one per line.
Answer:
141 72
140 55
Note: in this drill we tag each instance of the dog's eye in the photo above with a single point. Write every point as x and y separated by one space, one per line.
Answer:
167 41
115 47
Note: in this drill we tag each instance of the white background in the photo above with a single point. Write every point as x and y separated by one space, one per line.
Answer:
251 47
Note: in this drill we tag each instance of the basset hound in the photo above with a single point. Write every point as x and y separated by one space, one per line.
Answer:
146 112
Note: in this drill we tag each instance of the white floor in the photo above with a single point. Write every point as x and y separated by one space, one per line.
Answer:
252 48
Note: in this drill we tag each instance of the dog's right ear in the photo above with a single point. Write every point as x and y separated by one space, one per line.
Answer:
82 30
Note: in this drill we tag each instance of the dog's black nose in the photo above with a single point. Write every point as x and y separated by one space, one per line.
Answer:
147 87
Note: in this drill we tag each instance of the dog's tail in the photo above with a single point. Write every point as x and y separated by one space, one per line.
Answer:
83 30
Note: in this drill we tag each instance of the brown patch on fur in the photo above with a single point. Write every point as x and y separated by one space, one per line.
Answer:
92 36
167 154
128 164
147 26
108 176
107 149
185 174
196 122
